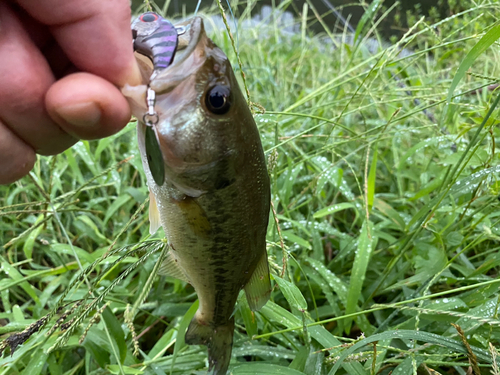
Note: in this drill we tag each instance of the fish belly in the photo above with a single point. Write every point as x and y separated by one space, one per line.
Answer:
214 243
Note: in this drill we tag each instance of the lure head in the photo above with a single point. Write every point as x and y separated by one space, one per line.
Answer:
146 24
156 38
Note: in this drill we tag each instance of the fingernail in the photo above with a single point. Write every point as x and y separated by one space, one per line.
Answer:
81 115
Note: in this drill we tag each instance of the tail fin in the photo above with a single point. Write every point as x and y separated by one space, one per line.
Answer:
219 341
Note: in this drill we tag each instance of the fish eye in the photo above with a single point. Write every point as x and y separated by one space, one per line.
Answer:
148 17
217 100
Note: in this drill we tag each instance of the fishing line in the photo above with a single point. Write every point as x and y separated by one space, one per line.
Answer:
339 16
235 26
223 14
197 7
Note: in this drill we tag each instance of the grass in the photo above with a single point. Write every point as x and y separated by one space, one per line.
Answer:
385 184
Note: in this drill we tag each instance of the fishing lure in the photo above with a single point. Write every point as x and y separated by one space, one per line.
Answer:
156 38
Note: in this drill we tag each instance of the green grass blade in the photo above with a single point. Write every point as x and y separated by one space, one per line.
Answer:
292 294
181 332
368 16
36 364
116 333
332 209
485 42
361 261
422 336
279 315
264 369
371 180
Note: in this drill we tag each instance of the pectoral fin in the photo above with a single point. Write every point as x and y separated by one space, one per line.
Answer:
154 215
195 216
169 267
258 288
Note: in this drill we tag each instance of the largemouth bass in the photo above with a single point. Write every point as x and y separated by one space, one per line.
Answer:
213 199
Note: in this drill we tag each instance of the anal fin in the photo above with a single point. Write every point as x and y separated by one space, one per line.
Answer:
258 288
169 267
154 215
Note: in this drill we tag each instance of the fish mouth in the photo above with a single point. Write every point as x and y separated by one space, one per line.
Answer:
193 30
188 57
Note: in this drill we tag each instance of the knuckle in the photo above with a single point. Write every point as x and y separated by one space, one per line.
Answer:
19 165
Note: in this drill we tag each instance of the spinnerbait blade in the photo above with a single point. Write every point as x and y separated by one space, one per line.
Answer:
154 155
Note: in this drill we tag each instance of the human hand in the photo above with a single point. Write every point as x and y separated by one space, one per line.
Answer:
60 64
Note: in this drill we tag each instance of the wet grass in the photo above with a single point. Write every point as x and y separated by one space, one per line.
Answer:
385 185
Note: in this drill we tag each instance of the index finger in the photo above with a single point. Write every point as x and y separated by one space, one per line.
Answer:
94 34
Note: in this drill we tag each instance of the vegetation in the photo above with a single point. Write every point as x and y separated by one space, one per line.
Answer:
385 240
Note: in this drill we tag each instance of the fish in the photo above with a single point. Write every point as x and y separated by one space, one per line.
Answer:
214 200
